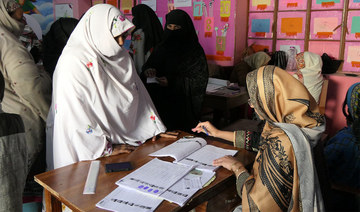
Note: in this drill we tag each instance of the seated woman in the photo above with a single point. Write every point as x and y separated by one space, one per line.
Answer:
248 64
180 67
147 34
13 158
309 72
283 177
342 152
100 106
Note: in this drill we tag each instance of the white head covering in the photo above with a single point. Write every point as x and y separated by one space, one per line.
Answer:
98 98
6 21
310 68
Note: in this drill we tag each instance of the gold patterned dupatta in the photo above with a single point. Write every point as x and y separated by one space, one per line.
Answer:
277 97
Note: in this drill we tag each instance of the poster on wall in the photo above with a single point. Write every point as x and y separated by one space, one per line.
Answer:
113 2
286 45
93 2
354 4
260 45
42 11
126 5
261 5
327 4
182 3
326 25
353 24
292 5
329 47
352 57
215 35
150 3
260 25
291 25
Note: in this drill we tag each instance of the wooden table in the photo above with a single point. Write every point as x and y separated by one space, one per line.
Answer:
66 184
224 99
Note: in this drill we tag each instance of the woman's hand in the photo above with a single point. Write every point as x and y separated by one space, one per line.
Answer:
230 163
207 128
150 72
163 81
122 148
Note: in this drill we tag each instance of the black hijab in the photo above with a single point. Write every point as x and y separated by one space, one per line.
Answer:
145 18
55 40
182 39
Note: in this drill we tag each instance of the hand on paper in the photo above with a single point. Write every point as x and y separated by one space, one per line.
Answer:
206 126
150 72
230 163
122 148
163 81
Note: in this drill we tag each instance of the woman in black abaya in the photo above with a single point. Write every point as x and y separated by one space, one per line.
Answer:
180 67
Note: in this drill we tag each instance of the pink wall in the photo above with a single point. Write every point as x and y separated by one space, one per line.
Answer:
338 86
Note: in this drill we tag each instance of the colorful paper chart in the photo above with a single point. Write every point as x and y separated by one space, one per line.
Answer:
261 5
291 25
327 4
260 25
354 4
197 10
353 24
225 8
285 45
352 57
292 5
329 47
126 6
325 25
97 2
113 2
260 45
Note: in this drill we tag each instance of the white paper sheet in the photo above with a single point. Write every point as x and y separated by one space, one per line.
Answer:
204 157
122 199
181 148
179 195
182 3
155 177
151 80
150 3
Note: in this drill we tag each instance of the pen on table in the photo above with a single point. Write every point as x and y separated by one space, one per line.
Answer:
204 128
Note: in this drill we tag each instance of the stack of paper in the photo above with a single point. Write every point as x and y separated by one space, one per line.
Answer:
146 187
215 83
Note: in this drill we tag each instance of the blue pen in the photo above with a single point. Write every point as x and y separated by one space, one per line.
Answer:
206 132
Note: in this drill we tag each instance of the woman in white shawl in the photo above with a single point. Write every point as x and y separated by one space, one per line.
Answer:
27 88
309 72
283 177
100 106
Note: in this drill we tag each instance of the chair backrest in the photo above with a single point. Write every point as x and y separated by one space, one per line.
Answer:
322 99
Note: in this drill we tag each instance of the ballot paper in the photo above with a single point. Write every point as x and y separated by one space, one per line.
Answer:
214 84
194 151
204 157
180 194
123 199
155 177
152 80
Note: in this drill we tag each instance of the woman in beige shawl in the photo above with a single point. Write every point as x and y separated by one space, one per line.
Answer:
283 177
27 89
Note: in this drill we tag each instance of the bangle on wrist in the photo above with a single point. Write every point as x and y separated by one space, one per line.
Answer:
231 167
